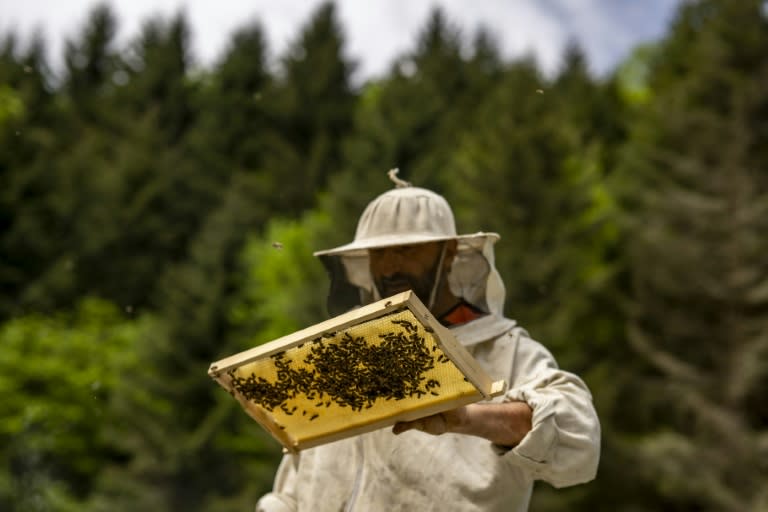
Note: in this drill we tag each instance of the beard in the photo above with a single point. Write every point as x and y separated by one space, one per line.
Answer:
396 283
421 285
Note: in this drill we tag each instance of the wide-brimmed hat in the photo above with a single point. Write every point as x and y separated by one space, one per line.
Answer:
406 215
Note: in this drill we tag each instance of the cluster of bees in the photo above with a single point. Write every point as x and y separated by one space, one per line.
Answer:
347 371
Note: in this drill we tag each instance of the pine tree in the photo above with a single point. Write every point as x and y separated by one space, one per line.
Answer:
197 451
86 184
191 447
513 159
91 63
699 203
534 165
67 188
311 106
160 192
28 144
410 120
421 105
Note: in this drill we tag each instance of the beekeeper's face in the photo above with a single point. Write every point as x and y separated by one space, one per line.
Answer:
407 267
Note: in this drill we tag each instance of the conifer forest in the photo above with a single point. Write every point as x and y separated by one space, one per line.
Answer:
156 216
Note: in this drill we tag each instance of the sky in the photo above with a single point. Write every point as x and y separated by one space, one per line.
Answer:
377 31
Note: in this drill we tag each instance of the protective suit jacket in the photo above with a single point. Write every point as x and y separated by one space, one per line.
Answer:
379 471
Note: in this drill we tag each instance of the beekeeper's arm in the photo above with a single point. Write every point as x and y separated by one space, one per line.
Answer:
546 424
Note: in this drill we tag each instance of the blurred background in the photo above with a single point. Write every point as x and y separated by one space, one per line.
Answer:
167 171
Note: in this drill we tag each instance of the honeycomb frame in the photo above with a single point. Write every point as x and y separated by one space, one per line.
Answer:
325 382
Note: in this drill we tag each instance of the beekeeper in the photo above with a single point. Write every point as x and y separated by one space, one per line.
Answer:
483 456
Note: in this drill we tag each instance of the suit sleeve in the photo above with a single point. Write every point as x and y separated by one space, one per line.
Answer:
283 495
563 446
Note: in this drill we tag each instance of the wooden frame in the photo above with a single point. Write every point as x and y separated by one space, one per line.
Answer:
225 372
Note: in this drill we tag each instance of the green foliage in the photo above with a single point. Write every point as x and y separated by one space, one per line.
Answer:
283 286
411 120
313 72
632 212
536 168
11 106
57 377
187 444
91 62
696 196
26 140
545 161
633 75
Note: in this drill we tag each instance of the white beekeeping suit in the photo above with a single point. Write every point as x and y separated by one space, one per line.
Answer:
380 471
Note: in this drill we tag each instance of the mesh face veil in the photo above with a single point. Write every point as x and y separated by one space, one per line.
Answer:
436 280
412 215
